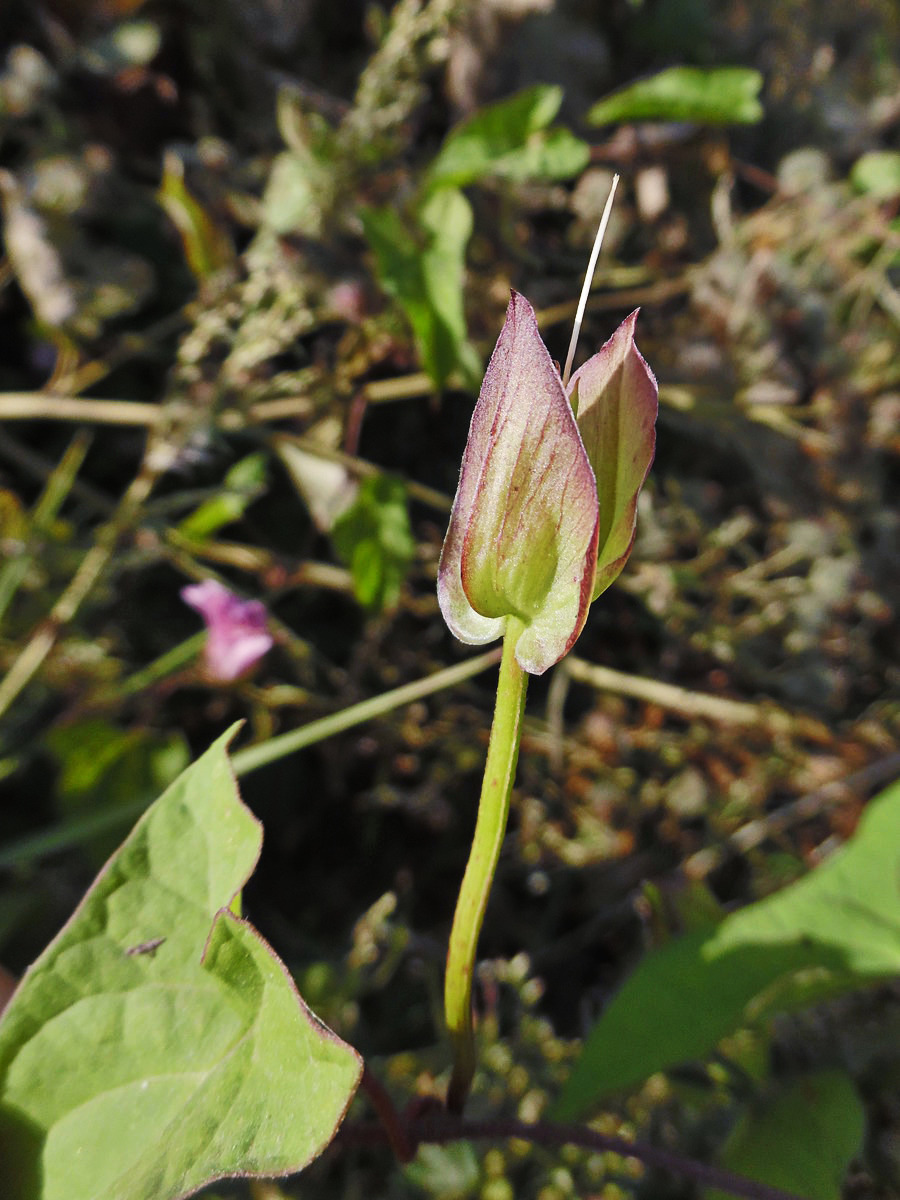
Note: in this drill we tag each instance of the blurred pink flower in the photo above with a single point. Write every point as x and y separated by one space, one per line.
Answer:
238 636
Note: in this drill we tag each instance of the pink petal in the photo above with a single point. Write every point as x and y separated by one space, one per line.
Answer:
238 636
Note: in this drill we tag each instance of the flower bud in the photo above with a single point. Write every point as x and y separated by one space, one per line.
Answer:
522 540
529 512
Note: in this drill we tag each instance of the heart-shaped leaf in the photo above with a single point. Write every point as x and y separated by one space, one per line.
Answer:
158 1043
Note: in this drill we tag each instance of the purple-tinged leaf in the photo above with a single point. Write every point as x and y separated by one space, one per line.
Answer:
615 398
522 538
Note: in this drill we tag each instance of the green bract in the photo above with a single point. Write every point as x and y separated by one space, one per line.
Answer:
544 514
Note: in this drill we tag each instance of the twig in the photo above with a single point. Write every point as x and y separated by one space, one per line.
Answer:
45 406
92 566
403 387
363 469
254 757
667 695
41 468
635 297
442 1129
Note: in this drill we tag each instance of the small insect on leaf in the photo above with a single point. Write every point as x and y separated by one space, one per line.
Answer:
149 947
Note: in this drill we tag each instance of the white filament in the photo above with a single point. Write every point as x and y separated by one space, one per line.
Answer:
589 275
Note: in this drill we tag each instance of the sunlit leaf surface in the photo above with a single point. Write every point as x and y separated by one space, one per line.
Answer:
158 1043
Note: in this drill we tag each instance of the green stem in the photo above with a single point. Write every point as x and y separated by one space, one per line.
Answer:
493 808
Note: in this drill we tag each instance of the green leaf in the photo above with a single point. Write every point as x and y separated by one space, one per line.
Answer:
446 1172
801 1139
207 248
837 928
425 274
104 769
91 750
243 484
717 96
374 539
878 174
447 220
299 194
510 140
158 1043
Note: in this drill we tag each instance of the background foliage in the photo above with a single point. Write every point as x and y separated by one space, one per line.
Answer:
260 251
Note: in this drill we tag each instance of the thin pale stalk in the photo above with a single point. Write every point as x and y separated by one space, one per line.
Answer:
678 699
490 827
588 277
44 406
58 486
82 829
92 566
269 751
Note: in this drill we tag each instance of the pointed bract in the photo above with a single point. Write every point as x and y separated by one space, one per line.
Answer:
522 539
615 397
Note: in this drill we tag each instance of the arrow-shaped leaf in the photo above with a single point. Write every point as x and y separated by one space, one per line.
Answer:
158 1043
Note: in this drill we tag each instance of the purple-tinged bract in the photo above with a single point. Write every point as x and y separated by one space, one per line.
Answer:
615 399
522 540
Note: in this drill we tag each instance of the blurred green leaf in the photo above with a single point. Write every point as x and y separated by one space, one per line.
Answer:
158 1043
510 140
299 194
447 221
425 274
105 769
207 248
837 928
878 174
717 96
802 1138
89 751
20 558
445 1172
243 484
374 538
